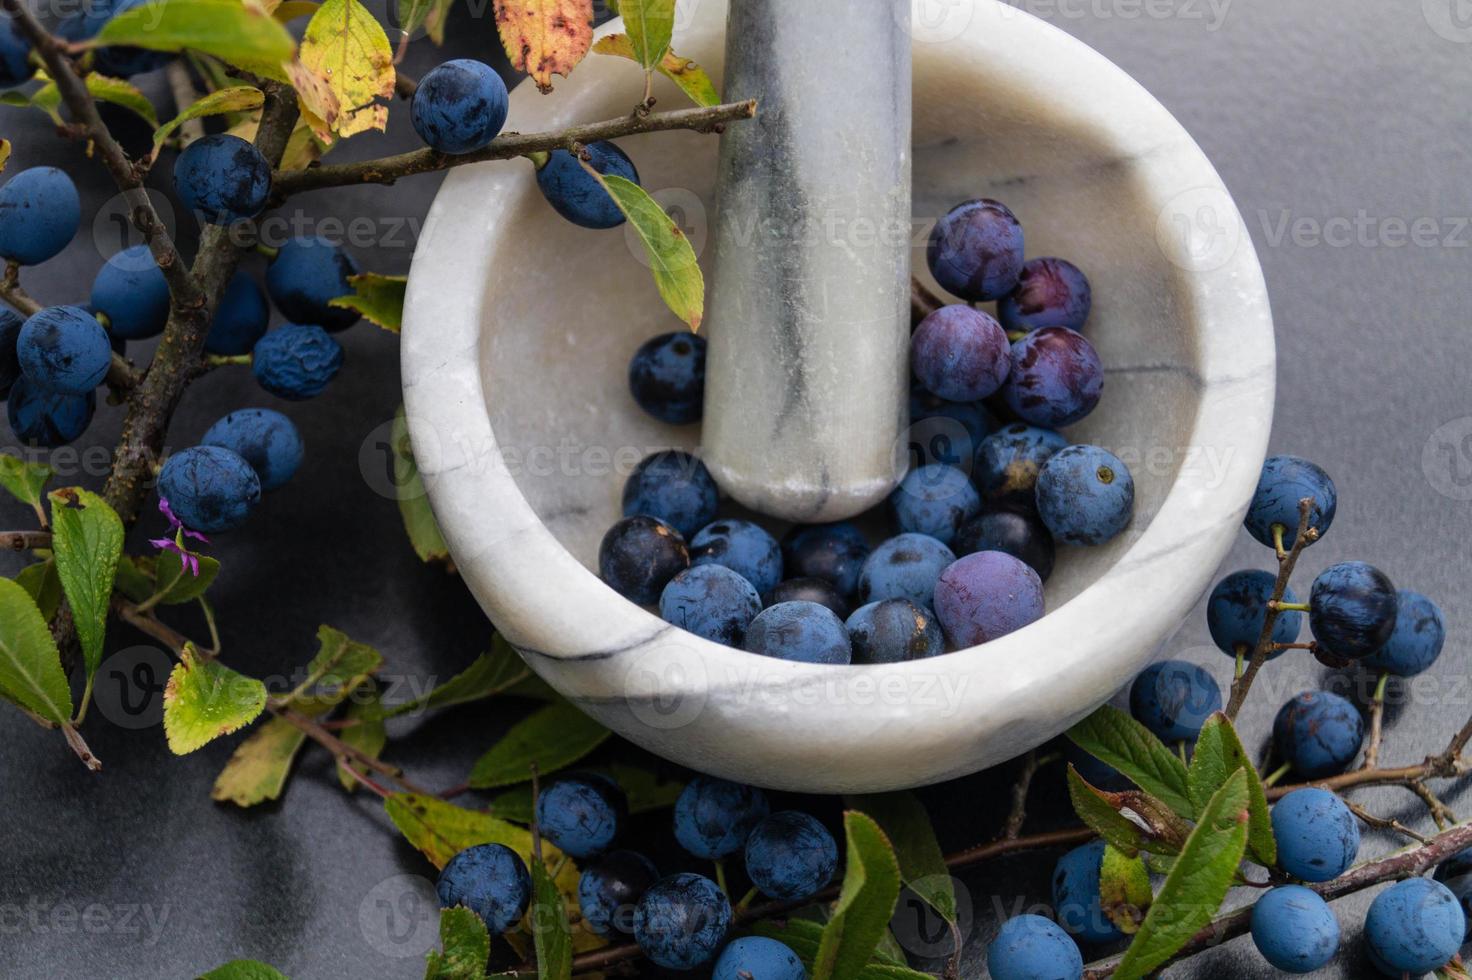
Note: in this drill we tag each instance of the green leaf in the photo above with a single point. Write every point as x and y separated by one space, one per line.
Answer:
689 76
1197 883
1113 737
803 937
43 584
340 666
1124 890
205 699
551 738
429 14
465 946
424 533
550 932
650 24
30 664
490 674
378 297
645 790
871 886
260 766
87 539
906 823
1094 808
244 970
121 93
1219 753
25 481
671 259
175 585
240 34
367 735
236 98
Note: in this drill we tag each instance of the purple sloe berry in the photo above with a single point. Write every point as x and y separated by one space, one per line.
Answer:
710 601
714 817
905 566
801 631
975 250
610 889
675 487
1294 929
1173 699
638 557
1017 532
209 488
575 194
960 354
63 349
832 552
682 921
40 212
667 377
1056 378
1050 293
1030 947
489 879
582 813
306 275
223 178
742 546
459 106
47 419
131 291
752 957
1238 608
816 590
790 855
296 361
987 595
1283 483
893 630
1416 641
934 500
264 438
1318 733
1086 495
1352 609
1008 462
241 318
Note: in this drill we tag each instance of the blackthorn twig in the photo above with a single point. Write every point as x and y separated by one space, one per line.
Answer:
24 540
1377 723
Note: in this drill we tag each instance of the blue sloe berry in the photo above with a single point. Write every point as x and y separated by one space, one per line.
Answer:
1238 607
1294 929
575 194
63 349
832 552
905 566
610 888
131 290
47 419
459 106
1352 609
209 488
306 274
1318 733
1050 293
1318 837
934 500
489 879
582 813
1076 895
1056 378
802 631
975 250
296 361
1414 926
638 557
682 921
790 855
892 630
710 601
1456 873
960 354
742 546
1030 947
1173 699
241 318
1284 481
15 52
758 958
1008 462
1017 532
713 817
987 595
222 177
40 212
264 438
1416 641
1086 495
675 487
10 324
667 377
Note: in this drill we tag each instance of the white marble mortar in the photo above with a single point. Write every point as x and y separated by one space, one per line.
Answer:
519 327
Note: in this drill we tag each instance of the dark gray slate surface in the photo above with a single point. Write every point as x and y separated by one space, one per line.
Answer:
1336 126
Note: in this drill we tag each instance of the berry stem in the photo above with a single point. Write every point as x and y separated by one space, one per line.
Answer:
1290 606
1018 814
1277 774
721 877
1377 722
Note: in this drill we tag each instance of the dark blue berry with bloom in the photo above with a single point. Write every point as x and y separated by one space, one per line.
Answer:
934 500
223 178
15 52
609 890
10 324
1352 609
1016 532
575 194
802 631
667 377
131 290
758 956
296 361
1319 733
893 630
1076 895
1294 929
1030 947
1008 462
639 556
742 546
1086 495
489 879
832 552
1238 608
1173 699
711 601
265 439
790 855
40 212
1416 641
905 566
675 487
63 349
210 489
809 590
47 419
1283 483
459 106
1413 927
240 319
682 921
713 817
582 813
306 275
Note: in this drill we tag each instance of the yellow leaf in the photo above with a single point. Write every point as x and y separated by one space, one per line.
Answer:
292 9
4 153
691 78
545 37
316 100
347 51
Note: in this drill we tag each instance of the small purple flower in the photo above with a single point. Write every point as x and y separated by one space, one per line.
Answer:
176 544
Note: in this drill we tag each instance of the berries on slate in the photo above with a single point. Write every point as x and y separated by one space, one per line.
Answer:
681 921
1076 895
1238 607
575 194
305 275
1284 481
713 817
296 361
264 438
63 349
742 546
1050 293
47 419
131 290
1008 462
1086 495
15 52
1016 532
832 552
40 212
975 250
10 324
802 631
904 567
582 813
1416 641
675 487
209 488
667 377
1173 699
960 354
790 855
1318 733
710 601
489 879
1318 837
1030 947
985 596
241 318
809 590
609 890
1056 378
638 557
753 957
934 500
1414 926
224 178
459 106
1352 609
1294 929
893 630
